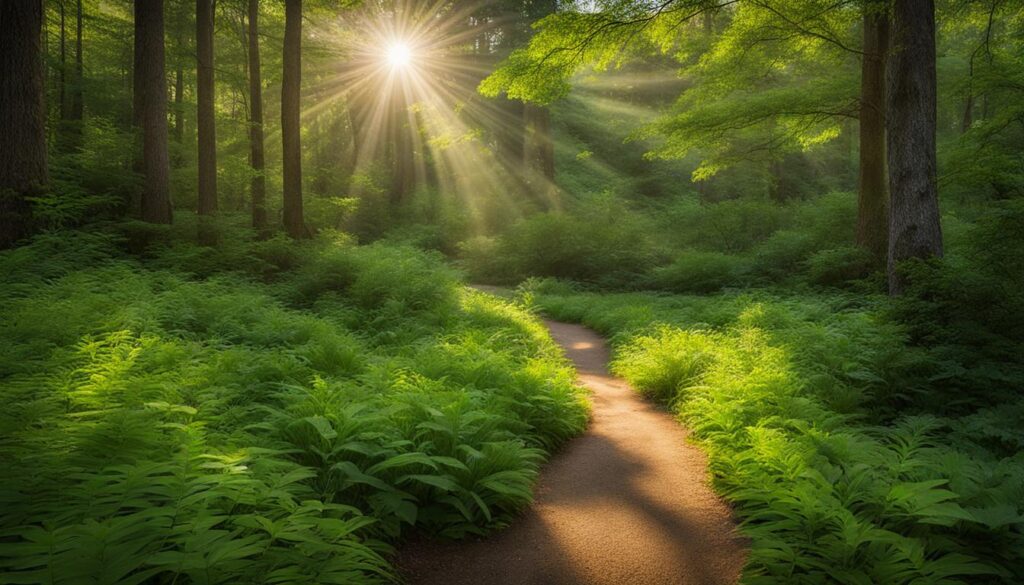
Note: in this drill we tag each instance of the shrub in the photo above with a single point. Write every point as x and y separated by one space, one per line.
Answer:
732 226
608 244
839 266
163 428
780 392
782 253
665 363
703 272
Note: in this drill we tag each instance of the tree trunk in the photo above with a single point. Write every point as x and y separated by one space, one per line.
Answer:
873 192
256 159
179 105
291 85
538 149
77 105
914 228
207 150
546 146
138 93
22 117
62 70
402 137
149 34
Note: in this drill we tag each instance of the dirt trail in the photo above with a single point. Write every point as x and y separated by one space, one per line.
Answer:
627 503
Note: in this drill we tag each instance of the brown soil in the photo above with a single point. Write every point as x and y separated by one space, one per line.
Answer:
627 503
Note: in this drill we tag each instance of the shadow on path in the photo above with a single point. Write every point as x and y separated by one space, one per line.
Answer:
627 503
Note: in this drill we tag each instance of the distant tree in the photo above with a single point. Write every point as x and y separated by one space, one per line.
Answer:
256 157
207 135
76 113
538 147
151 110
873 187
22 117
914 228
291 86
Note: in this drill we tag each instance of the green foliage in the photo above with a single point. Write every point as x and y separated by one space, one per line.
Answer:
783 392
603 242
839 265
159 428
701 272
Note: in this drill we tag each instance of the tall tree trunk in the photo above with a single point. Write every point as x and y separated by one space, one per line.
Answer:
873 192
291 86
152 83
138 101
62 69
22 117
538 148
538 118
77 105
207 151
179 104
256 159
402 137
545 146
914 228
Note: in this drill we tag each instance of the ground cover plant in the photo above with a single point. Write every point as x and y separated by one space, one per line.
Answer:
221 430
787 394
237 345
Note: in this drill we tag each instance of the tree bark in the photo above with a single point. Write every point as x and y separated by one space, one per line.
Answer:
538 149
62 70
22 117
77 106
207 150
914 226
291 85
402 137
152 114
179 105
256 159
873 191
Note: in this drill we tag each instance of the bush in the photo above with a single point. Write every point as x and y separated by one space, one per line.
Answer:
839 266
783 253
608 244
733 226
702 272
163 428
782 394
665 363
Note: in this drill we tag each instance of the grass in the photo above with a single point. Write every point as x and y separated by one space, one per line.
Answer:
263 412
801 402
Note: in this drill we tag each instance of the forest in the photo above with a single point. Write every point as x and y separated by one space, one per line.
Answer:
539 292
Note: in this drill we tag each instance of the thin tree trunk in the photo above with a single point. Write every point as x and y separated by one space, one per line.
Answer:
138 93
256 159
22 117
545 146
291 86
538 148
62 70
207 150
149 31
401 137
179 105
968 119
914 226
873 192
77 105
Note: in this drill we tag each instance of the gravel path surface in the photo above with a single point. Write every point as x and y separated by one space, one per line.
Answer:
626 503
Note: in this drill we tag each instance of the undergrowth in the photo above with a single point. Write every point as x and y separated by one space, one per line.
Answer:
802 402
260 412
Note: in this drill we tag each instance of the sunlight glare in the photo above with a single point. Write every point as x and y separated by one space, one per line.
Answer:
399 55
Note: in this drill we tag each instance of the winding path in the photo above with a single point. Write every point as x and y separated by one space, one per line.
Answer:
626 503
